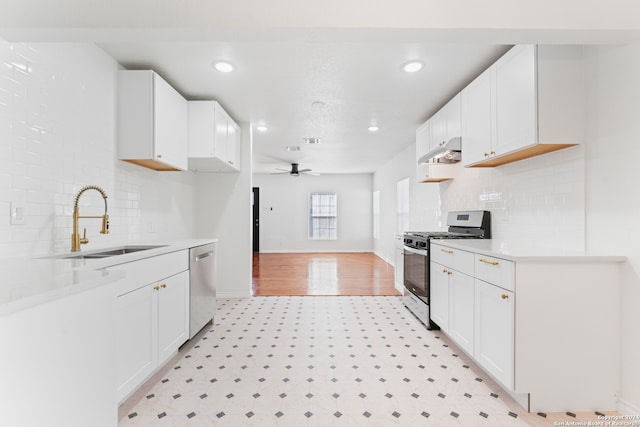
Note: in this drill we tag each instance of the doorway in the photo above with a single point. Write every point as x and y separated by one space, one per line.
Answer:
256 219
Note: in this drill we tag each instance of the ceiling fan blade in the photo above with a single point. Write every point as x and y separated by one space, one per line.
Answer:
312 173
283 170
304 170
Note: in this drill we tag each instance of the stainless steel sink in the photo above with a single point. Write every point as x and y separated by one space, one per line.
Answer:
109 252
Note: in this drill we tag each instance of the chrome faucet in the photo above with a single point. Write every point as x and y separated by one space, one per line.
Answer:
76 240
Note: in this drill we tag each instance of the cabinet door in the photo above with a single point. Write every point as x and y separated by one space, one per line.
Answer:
173 314
233 144
438 125
439 297
515 100
461 301
136 338
171 125
494 331
422 140
423 135
220 123
201 129
452 117
399 267
477 120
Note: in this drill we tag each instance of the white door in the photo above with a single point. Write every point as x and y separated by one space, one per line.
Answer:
494 329
136 338
173 314
461 304
439 297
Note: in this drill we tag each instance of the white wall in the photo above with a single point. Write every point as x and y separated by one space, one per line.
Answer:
284 212
223 211
58 134
613 202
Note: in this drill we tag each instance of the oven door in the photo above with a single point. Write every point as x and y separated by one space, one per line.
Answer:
416 272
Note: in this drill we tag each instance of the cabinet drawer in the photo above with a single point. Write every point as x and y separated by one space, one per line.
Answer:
453 258
142 272
497 271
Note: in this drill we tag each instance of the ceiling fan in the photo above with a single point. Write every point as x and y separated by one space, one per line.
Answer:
295 171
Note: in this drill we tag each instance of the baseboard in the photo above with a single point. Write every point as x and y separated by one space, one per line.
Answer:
232 295
399 288
627 408
385 259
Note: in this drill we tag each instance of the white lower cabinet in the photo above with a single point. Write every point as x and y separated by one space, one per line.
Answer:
439 295
461 309
452 304
136 338
531 323
152 321
173 314
493 336
398 272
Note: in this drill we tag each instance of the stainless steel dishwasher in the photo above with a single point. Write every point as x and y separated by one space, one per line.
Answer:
202 287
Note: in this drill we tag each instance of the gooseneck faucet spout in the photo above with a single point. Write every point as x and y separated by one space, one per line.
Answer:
76 240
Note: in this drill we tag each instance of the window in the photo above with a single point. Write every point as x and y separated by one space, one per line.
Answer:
402 206
376 214
323 216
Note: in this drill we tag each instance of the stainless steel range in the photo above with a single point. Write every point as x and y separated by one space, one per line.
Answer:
462 225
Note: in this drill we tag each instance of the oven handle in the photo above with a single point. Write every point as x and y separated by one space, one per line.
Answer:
416 251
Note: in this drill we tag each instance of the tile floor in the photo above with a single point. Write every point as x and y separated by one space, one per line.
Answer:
324 361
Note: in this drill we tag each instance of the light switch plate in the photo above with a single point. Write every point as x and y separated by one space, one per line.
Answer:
17 213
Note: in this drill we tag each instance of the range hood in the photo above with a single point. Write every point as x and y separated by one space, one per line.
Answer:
449 152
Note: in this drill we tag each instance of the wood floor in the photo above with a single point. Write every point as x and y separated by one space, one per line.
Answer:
321 274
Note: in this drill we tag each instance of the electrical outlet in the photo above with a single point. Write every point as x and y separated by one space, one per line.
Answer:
17 213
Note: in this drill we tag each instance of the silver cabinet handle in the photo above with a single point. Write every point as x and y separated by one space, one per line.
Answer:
204 255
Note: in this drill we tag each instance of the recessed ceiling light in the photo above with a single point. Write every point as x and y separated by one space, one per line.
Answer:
223 66
412 66
262 128
312 140
292 148
373 128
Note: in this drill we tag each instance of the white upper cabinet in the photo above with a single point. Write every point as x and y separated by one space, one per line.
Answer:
214 138
529 102
152 122
477 126
423 137
445 124
437 131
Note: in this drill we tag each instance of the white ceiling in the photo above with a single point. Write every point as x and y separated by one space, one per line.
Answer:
345 55
277 84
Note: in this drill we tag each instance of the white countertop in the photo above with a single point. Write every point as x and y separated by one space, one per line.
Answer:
27 281
522 251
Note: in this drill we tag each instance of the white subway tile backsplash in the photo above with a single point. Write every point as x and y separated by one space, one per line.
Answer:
539 200
58 133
